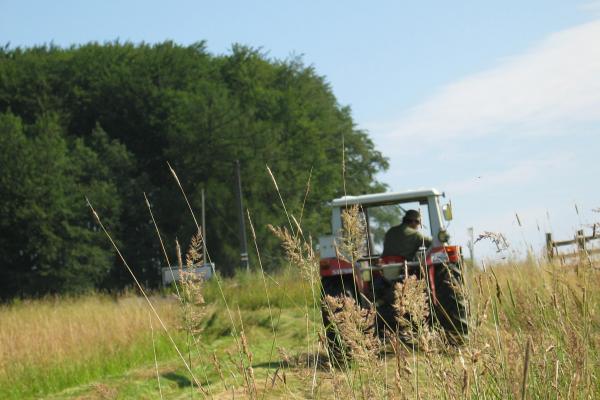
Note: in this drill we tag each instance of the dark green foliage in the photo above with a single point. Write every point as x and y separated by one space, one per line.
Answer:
48 242
102 121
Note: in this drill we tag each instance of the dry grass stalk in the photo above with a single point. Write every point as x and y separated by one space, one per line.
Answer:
246 367
402 370
287 359
412 309
525 369
300 253
279 194
302 360
498 239
193 311
194 253
144 294
352 245
155 358
242 361
356 328
218 369
191 297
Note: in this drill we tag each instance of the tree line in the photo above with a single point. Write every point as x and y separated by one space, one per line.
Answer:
101 121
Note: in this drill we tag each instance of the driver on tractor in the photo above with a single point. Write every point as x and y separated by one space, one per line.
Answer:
404 240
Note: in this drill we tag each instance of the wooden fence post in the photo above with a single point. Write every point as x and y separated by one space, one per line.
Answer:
580 238
549 246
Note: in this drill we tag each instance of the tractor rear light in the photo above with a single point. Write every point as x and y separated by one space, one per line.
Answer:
334 266
453 253
444 255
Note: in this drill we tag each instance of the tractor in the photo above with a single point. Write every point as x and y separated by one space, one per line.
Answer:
370 279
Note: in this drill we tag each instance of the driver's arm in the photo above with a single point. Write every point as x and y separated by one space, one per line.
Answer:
427 241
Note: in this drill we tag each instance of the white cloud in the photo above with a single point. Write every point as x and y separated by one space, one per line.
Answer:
551 89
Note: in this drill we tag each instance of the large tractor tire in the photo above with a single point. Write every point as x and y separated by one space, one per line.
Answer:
452 309
336 286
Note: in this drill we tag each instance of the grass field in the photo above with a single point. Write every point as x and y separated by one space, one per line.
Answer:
55 344
535 334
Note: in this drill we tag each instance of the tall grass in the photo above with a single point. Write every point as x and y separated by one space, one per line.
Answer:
51 344
552 309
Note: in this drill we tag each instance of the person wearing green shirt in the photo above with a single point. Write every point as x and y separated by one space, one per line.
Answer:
405 239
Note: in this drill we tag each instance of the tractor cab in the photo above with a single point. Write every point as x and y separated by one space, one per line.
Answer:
380 212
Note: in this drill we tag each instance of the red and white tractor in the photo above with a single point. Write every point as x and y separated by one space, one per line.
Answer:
371 278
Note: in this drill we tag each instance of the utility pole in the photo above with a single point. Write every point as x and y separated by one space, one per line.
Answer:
204 260
243 242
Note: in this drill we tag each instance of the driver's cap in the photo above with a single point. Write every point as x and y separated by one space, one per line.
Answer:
412 214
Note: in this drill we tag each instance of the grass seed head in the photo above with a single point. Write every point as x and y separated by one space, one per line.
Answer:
497 238
353 244
355 327
298 252
194 253
410 303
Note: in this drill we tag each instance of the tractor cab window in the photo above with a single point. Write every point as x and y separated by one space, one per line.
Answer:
382 218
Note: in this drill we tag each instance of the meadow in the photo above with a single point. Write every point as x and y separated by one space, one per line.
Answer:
535 333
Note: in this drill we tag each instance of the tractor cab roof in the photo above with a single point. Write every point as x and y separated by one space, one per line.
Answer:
378 199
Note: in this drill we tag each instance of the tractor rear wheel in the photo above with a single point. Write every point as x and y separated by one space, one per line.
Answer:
452 308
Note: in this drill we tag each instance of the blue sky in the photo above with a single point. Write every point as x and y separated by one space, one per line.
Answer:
496 104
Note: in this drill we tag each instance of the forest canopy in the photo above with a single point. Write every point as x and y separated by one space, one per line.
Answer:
102 120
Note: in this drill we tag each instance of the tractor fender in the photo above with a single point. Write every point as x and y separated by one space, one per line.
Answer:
335 267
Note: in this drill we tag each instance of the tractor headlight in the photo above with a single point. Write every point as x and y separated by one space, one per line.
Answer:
443 236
